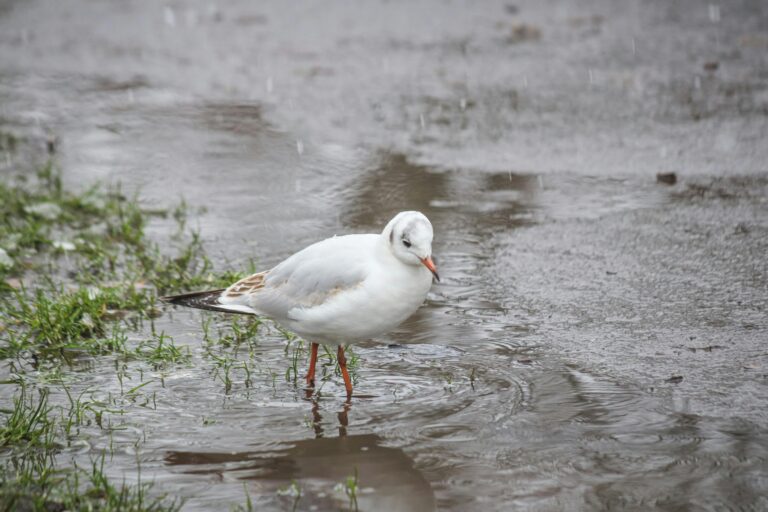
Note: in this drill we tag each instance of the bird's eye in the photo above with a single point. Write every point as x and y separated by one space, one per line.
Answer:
406 243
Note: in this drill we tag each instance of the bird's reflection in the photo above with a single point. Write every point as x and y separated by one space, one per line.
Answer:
317 418
318 464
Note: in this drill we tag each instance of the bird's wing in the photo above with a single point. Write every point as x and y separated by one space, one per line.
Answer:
307 279
245 286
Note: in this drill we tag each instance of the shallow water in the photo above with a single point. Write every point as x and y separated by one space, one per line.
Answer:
537 374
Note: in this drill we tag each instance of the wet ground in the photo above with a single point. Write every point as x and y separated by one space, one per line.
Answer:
598 339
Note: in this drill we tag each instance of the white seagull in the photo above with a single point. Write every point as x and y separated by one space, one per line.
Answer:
340 290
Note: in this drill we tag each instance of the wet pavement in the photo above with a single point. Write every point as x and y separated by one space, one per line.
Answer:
598 340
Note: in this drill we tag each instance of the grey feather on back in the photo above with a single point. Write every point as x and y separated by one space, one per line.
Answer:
304 280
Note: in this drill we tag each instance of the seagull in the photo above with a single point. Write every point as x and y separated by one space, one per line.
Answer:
343 289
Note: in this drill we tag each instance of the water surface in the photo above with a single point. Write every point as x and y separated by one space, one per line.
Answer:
538 374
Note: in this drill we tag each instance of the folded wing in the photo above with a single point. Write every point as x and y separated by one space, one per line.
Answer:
309 278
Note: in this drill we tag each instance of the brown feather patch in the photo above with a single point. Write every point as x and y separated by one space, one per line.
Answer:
246 285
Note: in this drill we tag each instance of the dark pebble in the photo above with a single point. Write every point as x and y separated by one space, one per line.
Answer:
668 178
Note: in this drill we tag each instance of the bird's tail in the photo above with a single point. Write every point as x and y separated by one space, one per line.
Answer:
208 299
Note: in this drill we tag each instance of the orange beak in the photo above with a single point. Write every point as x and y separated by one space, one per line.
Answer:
431 266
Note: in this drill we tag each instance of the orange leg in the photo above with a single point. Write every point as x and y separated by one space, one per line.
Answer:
312 360
344 373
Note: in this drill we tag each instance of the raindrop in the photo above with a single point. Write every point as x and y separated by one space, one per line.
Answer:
299 147
130 96
169 16
591 77
634 47
192 18
270 84
215 13
463 104
714 13
421 120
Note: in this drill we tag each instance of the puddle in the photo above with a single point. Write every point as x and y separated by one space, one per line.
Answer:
462 407
533 378
387 476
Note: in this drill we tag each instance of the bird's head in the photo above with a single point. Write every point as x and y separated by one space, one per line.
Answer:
409 235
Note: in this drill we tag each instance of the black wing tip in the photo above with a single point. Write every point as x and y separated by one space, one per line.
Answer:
191 298
207 300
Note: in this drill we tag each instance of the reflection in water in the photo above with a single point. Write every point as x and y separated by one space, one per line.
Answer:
451 199
468 412
468 210
317 418
387 478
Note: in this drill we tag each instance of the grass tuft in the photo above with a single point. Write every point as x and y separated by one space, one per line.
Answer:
79 278
28 424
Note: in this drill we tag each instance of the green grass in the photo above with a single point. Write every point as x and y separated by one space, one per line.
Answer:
29 479
49 323
39 487
113 272
161 352
103 231
350 486
79 281
78 274
27 424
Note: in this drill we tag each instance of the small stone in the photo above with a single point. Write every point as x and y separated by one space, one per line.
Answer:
523 32
63 245
11 242
668 178
47 211
14 282
5 260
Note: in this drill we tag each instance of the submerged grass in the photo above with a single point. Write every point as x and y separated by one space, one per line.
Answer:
79 280
103 231
350 486
78 277
112 270
28 423
29 478
39 487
